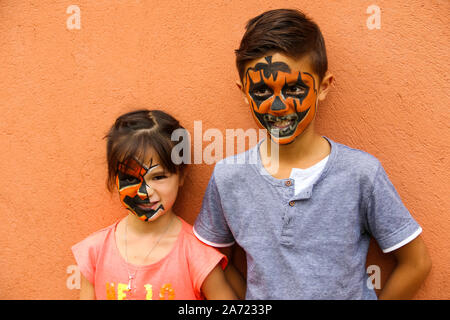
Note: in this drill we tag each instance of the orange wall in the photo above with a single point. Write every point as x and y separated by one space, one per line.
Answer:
61 89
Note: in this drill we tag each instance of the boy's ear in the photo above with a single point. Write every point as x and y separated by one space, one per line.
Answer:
325 85
240 86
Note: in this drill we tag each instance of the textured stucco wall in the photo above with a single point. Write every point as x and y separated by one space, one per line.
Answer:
61 89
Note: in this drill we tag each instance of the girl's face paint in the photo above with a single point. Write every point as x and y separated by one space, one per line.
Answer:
282 98
147 192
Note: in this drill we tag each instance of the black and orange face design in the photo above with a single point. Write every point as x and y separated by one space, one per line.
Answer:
133 189
282 100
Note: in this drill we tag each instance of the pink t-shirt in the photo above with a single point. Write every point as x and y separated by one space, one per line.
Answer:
179 275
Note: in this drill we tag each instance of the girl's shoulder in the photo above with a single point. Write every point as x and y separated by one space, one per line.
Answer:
88 250
201 258
188 233
196 249
97 238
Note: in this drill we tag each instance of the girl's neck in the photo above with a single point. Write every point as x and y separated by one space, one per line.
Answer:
137 226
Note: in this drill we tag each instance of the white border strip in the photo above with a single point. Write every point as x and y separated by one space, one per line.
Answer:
402 243
212 244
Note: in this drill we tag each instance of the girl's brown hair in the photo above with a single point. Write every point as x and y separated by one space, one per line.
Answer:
134 134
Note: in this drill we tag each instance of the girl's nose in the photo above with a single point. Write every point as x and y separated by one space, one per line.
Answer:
143 191
150 190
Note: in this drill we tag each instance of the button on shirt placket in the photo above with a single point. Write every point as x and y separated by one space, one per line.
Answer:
287 232
290 190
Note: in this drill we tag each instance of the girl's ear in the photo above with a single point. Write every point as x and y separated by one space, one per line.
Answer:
182 176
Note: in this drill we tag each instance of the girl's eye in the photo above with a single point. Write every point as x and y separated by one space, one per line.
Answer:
295 90
159 177
128 179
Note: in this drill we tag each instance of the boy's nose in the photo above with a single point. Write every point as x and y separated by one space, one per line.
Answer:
277 105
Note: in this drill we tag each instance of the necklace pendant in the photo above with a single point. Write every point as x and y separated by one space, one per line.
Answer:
130 277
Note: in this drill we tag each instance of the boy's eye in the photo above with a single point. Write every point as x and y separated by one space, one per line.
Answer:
262 92
295 90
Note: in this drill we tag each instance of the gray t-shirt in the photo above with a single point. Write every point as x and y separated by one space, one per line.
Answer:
312 245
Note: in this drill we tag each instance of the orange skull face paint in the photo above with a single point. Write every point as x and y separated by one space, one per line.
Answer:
282 100
132 188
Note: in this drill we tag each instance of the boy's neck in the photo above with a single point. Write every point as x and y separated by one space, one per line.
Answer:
305 151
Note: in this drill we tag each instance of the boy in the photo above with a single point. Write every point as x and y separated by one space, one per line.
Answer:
305 222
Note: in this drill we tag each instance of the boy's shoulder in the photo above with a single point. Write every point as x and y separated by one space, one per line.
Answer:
236 165
342 156
353 160
345 162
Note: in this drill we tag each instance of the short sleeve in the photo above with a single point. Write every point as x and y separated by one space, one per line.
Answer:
211 226
388 220
85 256
202 260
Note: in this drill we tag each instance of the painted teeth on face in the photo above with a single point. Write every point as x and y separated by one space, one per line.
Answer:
281 126
272 118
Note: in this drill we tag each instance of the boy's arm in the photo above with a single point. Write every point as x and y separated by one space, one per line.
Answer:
232 275
413 266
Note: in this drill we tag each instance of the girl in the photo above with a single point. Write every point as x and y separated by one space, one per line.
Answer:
151 253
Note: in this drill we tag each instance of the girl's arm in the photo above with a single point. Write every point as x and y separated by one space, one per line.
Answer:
413 266
233 276
87 291
216 287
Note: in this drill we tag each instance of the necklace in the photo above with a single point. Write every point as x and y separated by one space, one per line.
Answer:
132 276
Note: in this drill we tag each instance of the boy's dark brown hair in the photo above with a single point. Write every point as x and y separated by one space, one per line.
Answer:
134 134
287 31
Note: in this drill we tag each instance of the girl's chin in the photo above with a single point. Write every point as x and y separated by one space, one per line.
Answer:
156 215
144 218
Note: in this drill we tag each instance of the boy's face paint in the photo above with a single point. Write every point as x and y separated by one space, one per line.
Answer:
282 98
133 192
